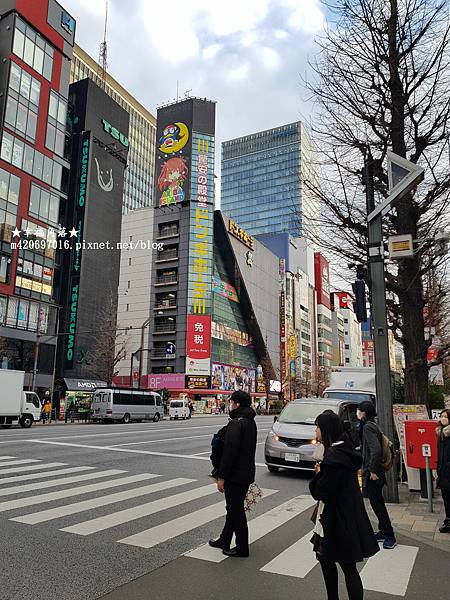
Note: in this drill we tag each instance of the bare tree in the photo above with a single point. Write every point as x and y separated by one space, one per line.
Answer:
381 81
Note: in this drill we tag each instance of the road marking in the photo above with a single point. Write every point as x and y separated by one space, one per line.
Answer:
296 561
260 526
18 489
77 491
389 571
143 510
77 507
23 461
189 437
31 468
6 457
171 529
29 476
111 448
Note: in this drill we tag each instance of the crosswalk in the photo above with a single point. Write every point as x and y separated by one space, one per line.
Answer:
34 492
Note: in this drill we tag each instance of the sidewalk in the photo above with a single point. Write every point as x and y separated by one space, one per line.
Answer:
411 516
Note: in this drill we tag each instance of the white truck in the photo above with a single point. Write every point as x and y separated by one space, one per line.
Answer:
352 383
17 405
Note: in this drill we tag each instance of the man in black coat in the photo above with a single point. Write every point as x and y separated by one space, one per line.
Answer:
374 478
236 472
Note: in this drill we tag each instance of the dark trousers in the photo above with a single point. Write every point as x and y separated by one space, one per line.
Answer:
236 520
352 580
446 499
374 491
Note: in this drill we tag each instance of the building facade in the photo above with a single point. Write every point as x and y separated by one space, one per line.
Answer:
36 44
266 182
353 346
138 186
324 324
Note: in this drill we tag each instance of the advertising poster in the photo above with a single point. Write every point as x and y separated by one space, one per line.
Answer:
198 345
232 378
198 382
224 289
402 413
260 383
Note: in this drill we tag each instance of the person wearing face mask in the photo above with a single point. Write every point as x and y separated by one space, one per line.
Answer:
373 475
443 467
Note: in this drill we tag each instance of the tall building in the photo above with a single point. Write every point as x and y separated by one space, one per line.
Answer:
36 46
266 182
138 187
342 303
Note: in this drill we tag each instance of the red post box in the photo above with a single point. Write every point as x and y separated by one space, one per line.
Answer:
418 434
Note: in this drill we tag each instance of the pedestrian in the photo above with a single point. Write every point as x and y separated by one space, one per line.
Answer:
443 466
236 472
373 476
342 534
46 409
191 408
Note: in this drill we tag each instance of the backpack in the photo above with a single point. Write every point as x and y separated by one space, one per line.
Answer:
217 445
387 453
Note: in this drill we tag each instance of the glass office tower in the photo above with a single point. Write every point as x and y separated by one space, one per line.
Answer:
267 179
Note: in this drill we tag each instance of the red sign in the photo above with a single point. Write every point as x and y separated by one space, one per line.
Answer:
322 279
418 434
344 300
198 336
432 354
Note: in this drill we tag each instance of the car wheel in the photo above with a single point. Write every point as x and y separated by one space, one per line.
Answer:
126 418
156 418
26 421
273 469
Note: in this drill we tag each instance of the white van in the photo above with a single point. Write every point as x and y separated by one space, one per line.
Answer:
110 405
179 409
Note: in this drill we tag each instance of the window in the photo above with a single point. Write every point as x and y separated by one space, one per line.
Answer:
56 124
29 46
9 199
347 360
5 263
347 346
44 205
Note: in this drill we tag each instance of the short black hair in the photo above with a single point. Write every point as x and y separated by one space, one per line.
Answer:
368 407
241 398
331 428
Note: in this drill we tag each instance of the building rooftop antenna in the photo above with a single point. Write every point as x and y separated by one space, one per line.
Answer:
103 54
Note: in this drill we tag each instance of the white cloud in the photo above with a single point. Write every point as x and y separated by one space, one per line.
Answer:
239 73
305 15
269 57
211 51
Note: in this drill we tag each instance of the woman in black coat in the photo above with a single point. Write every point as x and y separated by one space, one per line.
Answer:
443 467
343 533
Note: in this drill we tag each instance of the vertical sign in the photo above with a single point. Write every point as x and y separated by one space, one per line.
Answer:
200 254
282 339
79 211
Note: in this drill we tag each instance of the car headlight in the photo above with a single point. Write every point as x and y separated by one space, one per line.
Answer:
274 436
314 441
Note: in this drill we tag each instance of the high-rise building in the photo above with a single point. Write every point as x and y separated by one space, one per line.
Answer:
267 179
36 46
138 187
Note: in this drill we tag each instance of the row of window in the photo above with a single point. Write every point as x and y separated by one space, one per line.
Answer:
24 85
33 162
56 124
26 314
44 205
30 47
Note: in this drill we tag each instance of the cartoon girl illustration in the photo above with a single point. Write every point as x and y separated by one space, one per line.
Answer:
171 178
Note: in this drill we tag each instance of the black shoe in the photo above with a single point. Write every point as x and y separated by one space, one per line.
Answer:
218 544
445 527
235 552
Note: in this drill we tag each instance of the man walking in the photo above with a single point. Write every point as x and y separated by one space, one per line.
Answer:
374 478
236 472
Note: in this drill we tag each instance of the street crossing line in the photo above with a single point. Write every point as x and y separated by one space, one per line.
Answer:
6 457
260 526
42 485
296 561
171 529
22 461
29 476
25 468
389 571
143 510
77 507
77 491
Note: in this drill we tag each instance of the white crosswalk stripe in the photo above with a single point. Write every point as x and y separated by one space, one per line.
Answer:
26 468
21 461
6 457
77 491
169 530
45 474
288 563
389 571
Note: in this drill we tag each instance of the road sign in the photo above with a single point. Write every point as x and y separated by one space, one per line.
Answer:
401 246
170 349
403 176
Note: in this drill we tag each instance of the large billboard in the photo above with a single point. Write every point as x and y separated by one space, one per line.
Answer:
198 345
322 279
232 378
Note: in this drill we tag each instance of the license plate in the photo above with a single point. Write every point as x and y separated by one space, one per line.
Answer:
290 457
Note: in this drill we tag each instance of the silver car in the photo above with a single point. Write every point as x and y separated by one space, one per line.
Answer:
291 443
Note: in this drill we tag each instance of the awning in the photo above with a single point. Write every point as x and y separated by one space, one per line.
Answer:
199 392
83 385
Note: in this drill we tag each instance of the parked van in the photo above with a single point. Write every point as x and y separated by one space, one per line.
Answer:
110 405
179 409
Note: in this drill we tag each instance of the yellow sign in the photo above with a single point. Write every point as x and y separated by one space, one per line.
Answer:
240 234
292 347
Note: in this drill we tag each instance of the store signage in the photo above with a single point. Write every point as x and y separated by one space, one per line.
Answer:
282 338
198 382
292 346
115 133
275 385
232 378
198 345
224 289
240 234
260 383
67 22
171 381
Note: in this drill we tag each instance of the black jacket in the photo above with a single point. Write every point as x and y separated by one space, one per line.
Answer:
372 450
348 536
444 458
238 456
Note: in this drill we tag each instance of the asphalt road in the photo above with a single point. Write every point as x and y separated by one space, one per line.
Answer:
121 512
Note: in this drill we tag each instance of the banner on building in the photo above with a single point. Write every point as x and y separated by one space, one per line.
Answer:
282 339
292 347
232 378
198 345
198 382
224 289
260 383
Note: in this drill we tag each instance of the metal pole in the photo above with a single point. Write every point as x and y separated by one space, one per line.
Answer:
429 485
36 357
52 389
141 353
379 323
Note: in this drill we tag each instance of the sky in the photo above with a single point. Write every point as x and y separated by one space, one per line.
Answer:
248 55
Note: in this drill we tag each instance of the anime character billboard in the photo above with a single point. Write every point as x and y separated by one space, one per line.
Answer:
172 176
174 138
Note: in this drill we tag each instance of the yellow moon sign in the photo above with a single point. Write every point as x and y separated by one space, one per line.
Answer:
169 144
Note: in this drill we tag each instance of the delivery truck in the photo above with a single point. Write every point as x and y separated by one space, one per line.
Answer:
352 383
16 405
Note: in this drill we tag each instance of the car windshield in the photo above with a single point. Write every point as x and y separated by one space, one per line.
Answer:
176 405
302 413
353 396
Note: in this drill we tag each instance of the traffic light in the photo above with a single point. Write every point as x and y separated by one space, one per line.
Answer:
360 308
